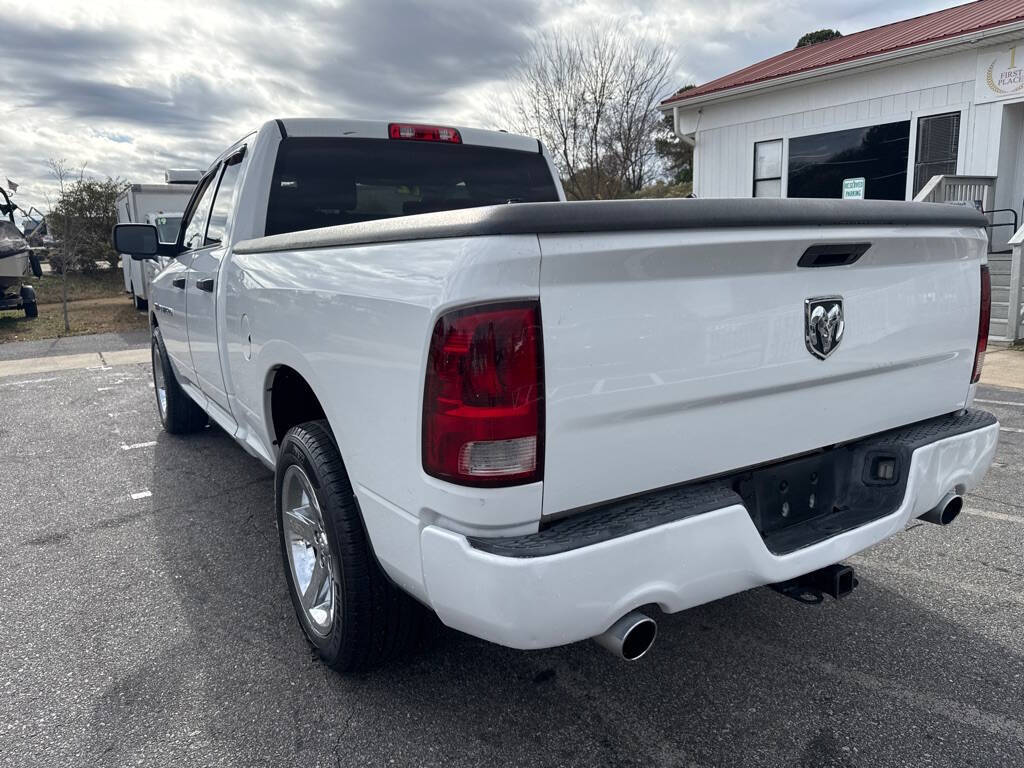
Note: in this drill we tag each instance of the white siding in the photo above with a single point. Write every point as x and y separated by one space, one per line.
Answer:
727 131
724 155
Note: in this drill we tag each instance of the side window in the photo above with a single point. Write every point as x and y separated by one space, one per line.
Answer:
221 213
195 227
938 138
768 168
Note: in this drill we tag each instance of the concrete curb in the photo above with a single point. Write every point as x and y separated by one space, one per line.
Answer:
68 362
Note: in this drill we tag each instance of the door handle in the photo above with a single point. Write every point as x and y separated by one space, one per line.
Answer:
178 282
206 284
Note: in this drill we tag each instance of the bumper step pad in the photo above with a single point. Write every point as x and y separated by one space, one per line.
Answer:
858 499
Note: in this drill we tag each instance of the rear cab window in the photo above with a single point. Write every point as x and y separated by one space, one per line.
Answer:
322 182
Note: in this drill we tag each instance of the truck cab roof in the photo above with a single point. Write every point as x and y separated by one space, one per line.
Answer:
319 127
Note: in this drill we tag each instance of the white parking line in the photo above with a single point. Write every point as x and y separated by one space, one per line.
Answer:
141 495
105 389
26 381
999 402
1012 429
996 515
133 446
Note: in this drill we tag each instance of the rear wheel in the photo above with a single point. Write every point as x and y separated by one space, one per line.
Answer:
353 616
28 301
179 413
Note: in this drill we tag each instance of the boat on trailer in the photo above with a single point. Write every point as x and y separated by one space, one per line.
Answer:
16 262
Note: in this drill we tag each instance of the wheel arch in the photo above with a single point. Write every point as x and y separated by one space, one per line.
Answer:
290 399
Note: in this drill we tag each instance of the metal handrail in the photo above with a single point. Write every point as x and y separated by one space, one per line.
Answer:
992 225
1013 223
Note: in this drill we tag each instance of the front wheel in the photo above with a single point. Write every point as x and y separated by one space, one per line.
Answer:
179 413
353 616
28 301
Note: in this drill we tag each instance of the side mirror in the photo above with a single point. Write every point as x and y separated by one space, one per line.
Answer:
140 241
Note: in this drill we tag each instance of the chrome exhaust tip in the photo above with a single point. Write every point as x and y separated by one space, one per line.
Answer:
630 637
946 511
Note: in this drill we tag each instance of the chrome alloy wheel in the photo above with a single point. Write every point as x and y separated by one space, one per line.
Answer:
312 565
159 384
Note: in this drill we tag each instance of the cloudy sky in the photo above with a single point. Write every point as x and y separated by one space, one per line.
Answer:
129 89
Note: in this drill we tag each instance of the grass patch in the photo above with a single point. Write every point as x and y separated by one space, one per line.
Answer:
96 304
114 315
101 284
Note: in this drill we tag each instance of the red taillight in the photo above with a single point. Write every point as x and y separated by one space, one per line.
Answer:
424 133
484 396
983 321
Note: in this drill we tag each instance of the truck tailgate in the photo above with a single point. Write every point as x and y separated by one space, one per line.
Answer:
676 355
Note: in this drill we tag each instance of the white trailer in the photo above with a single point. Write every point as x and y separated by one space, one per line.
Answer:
160 205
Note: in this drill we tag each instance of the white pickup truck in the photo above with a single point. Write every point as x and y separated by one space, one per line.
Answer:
545 420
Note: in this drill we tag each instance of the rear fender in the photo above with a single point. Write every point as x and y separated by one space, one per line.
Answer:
273 356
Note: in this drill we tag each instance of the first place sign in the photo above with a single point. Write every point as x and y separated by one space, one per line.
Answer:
1000 73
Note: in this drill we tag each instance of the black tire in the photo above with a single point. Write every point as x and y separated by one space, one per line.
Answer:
28 301
180 415
374 621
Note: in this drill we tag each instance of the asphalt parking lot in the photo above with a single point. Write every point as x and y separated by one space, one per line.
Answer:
144 621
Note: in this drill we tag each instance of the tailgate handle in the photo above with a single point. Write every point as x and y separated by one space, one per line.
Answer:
832 254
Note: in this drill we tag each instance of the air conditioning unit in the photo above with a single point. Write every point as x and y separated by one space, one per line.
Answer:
182 176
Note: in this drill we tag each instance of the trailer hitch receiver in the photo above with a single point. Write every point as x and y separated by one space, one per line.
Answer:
837 581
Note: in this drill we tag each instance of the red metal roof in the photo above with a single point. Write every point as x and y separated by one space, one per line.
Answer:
961 20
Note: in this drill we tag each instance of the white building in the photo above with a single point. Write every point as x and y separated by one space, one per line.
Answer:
886 110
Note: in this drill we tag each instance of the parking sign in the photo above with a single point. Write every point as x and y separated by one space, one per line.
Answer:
853 189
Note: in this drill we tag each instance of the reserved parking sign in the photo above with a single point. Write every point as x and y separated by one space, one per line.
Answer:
853 189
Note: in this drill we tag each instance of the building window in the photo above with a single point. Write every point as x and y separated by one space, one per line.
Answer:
768 168
878 153
938 137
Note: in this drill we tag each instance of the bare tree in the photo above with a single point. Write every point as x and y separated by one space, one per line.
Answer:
68 228
591 98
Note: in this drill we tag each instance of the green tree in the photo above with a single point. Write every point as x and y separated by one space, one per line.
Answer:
818 36
81 221
675 154
83 216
